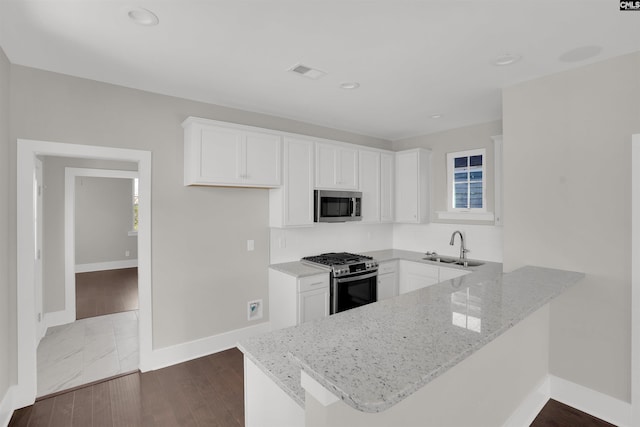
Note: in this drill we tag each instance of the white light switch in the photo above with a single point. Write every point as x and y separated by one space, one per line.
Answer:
251 245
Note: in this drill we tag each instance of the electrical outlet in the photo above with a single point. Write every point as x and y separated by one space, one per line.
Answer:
254 310
251 245
127 253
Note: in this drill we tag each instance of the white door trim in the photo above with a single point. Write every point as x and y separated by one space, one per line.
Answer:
27 150
41 327
635 280
70 175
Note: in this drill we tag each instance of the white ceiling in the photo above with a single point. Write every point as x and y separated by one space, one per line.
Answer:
412 59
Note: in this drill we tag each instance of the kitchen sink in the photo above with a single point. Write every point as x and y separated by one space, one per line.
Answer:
452 260
470 263
441 258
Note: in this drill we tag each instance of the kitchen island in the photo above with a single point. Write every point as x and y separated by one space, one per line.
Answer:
394 360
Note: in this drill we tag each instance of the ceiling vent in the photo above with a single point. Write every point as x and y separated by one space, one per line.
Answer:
308 72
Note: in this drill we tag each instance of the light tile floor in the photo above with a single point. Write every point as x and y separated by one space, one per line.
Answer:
87 350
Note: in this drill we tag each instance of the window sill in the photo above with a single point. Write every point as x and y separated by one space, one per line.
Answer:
133 233
466 216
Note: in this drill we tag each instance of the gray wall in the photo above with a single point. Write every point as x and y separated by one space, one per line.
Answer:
104 218
567 170
53 262
7 312
460 139
202 274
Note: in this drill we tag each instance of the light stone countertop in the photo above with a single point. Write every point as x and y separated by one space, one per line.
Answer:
374 356
298 269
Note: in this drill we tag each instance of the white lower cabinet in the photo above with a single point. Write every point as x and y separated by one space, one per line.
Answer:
313 305
387 280
297 300
451 273
417 275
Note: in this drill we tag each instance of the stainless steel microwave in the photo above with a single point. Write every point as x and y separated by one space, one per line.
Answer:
337 206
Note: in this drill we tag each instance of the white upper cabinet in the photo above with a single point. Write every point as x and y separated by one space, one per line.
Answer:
292 204
336 167
412 195
387 187
369 166
219 154
376 178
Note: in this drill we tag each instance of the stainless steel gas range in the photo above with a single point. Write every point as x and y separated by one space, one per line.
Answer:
354 278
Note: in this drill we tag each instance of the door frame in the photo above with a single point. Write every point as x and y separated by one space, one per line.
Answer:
27 150
38 271
70 174
635 280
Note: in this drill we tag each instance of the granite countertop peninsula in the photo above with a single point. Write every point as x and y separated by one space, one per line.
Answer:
374 356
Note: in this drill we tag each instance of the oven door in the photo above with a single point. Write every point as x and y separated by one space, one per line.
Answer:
353 291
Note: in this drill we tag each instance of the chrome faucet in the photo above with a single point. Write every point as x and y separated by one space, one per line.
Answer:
463 250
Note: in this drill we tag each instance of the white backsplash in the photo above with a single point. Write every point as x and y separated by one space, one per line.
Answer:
291 244
483 241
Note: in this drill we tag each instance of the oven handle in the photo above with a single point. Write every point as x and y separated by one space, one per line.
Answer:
353 206
354 278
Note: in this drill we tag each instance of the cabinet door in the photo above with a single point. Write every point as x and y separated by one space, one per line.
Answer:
347 168
451 273
415 275
220 155
313 305
298 186
262 159
387 183
406 187
369 167
387 286
326 160
336 167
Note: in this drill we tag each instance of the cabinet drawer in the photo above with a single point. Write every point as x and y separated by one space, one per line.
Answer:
310 283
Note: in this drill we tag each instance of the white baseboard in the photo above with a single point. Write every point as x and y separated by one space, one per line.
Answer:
179 353
6 407
592 402
531 406
57 318
109 265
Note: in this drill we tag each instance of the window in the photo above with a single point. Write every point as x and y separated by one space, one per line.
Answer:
467 181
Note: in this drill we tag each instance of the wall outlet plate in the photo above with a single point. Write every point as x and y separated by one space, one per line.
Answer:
254 310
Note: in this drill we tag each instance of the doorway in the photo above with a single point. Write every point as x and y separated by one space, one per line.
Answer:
27 150
100 218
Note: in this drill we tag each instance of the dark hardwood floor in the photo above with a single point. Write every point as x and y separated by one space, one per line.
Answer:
106 292
556 414
203 392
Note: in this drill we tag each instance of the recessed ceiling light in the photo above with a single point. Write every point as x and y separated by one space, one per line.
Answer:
350 85
436 116
580 53
506 59
143 17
